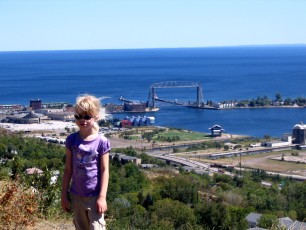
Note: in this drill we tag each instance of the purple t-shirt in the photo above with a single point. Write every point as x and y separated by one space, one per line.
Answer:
86 157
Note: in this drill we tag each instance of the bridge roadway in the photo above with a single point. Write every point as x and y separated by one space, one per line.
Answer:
180 160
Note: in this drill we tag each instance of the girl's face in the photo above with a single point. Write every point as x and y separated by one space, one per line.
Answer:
84 120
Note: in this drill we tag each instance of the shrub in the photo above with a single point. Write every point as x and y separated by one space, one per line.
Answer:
18 206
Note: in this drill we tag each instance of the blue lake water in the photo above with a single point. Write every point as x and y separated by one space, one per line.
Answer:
226 73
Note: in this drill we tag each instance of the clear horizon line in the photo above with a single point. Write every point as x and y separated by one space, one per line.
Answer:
147 48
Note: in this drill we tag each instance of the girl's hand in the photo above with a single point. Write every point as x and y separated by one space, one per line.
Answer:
66 204
101 205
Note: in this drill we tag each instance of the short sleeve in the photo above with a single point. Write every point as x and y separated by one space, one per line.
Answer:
105 145
68 142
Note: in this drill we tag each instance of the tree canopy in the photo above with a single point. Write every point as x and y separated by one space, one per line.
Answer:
157 198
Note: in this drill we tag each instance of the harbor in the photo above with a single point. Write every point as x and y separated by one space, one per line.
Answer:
151 104
153 100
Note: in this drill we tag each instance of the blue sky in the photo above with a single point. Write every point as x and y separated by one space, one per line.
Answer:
129 24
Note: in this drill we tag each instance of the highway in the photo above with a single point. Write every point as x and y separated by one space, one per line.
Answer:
206 166
187 162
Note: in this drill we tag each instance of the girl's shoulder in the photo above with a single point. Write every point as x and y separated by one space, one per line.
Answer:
104 142
102 136
72 137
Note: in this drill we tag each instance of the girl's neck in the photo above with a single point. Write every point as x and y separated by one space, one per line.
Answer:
88 135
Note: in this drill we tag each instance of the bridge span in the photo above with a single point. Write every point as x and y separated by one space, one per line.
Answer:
175 84
198 103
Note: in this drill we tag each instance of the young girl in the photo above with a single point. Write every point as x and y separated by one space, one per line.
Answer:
86 166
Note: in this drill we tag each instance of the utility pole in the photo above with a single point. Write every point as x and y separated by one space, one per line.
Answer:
240 163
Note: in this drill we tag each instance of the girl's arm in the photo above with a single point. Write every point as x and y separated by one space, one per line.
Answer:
101 201
66 180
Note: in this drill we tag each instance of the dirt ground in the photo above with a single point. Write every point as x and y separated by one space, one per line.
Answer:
117 142
50 225
122 143
272 161
276 162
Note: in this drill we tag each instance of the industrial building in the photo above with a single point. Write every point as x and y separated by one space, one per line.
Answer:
299 134
14 107
216 130
57 114
137 121
35 104
29 118
124 159
135 107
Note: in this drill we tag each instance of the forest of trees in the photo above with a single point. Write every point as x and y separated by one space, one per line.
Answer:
266 101
159 198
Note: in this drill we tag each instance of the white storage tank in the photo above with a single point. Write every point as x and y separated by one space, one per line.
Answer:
150 120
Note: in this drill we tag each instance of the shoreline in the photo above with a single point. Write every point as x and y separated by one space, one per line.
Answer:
216 108
268 107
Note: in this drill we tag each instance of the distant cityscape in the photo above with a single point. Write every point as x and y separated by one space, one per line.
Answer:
37 111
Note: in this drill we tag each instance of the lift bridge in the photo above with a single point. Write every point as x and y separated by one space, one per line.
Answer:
176 84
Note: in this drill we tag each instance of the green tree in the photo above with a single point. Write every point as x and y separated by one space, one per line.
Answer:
3 151
148 201
268 221
288 101
210 215
295 194
278 97
17 167
175 212
180 188
235 218
139 218
163 224
132 179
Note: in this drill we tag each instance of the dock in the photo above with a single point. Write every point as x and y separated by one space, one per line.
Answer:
193 105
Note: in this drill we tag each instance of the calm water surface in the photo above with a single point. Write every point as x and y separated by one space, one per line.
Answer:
226 73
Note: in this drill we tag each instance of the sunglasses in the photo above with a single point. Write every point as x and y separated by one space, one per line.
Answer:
79 117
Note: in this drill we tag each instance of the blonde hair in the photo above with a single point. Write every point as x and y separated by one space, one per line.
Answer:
92 106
